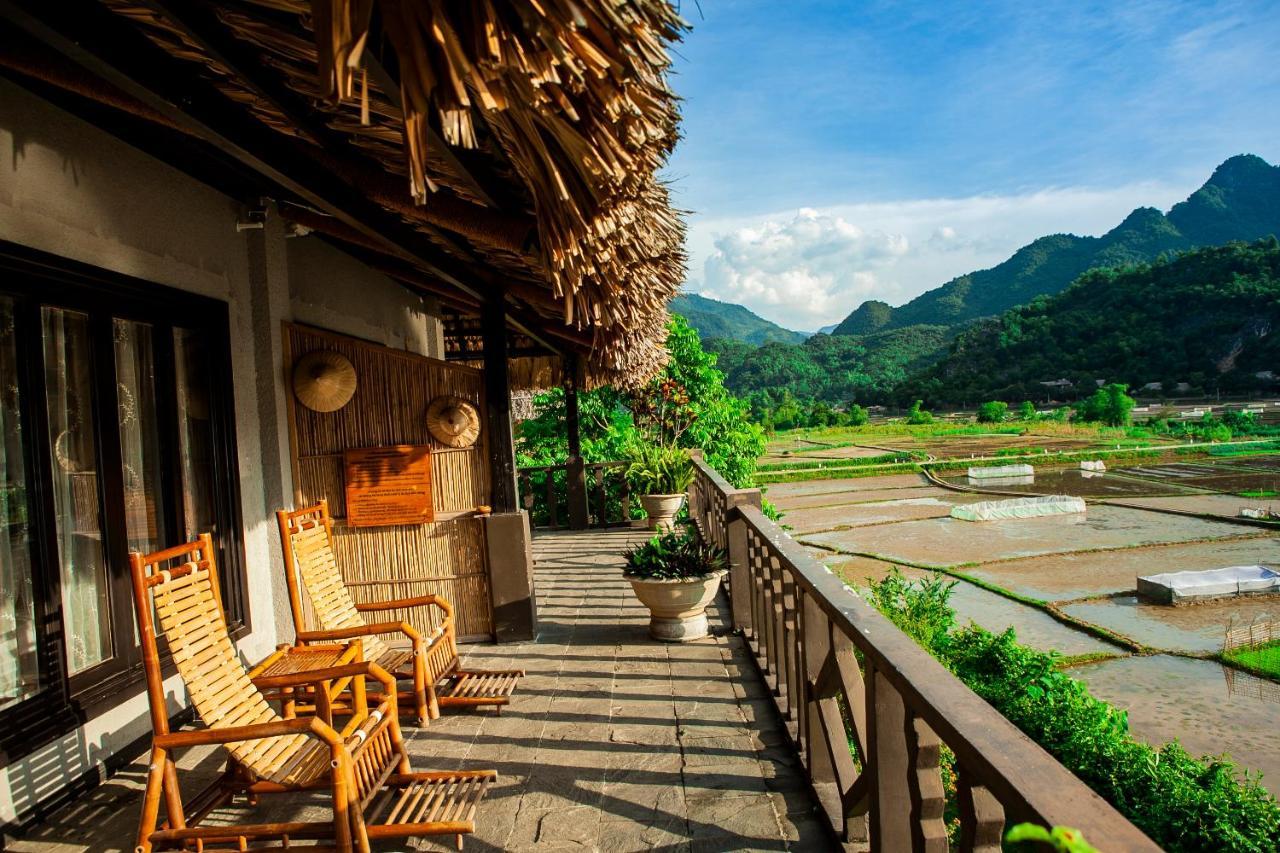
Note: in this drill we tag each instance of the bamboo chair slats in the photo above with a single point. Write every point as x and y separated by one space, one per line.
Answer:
306 538
219 686
330 598
176 593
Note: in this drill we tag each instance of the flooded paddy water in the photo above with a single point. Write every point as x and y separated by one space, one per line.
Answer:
1194 702
1194 628
1073 481
1064 577
950 542
975 604
1087 565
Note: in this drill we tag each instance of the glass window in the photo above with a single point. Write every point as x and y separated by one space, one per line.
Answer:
19 670
195 432
140 450
83 567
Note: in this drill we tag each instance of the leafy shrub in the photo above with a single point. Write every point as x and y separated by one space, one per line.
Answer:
993 412
658 470
1027 411
678 555
1110 404
857 415
917 416
1181 802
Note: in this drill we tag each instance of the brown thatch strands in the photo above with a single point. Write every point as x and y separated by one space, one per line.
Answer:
394 389
565 100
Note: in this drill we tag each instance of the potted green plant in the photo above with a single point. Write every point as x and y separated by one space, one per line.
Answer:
660 475
676 575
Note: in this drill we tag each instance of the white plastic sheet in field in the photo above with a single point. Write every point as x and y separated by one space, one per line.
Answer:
1095 465
1174 587
1019 508
1001 471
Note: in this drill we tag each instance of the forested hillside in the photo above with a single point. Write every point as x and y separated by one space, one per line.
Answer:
715 319
836 369
1240 201
1209 318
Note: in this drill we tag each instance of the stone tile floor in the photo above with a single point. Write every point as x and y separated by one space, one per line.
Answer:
613 742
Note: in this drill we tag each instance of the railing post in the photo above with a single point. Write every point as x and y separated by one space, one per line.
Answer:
887 717
739 556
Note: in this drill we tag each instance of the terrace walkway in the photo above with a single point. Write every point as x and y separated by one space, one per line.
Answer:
613 741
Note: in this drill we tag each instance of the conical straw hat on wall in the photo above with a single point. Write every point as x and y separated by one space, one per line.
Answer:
453 421
324 381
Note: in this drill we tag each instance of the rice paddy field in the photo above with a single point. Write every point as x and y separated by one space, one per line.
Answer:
1067 583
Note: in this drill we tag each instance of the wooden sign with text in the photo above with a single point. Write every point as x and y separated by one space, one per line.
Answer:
389 485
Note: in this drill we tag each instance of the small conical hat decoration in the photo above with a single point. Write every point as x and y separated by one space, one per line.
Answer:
453 421
324 381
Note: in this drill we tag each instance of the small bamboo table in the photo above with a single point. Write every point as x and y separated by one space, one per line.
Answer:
325 697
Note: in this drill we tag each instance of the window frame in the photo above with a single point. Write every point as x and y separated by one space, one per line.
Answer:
34 279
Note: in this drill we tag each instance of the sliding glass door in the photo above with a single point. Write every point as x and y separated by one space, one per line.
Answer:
115 409
19 664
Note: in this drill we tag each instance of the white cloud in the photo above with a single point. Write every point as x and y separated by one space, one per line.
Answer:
811 268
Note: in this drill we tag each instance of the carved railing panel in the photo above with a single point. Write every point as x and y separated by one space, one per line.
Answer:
546 494
872 715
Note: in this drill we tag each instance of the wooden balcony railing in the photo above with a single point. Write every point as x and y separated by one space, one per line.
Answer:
869 711
576 495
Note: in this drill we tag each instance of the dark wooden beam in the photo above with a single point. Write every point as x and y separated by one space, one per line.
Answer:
576 472
501 442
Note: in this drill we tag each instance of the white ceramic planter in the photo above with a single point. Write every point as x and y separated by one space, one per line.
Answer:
662 510
677 608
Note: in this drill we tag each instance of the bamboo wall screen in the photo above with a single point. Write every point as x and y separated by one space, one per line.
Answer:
393 388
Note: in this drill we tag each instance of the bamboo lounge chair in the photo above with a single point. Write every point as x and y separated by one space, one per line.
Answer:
306 538
364 765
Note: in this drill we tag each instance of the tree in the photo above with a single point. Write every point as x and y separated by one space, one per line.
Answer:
686 404
916 415
1110 404
1027 411
857 415
718 421
821 414
993 412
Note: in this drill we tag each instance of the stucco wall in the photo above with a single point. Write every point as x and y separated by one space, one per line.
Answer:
74 191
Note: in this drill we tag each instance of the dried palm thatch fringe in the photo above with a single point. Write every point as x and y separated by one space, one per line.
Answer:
576 95
567 104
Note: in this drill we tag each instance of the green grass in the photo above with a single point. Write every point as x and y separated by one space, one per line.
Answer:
1259 493
1261 660
1256 448
849 472
852 462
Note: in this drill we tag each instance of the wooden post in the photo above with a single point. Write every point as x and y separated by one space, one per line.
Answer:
576 472
502 456
739 568
891 764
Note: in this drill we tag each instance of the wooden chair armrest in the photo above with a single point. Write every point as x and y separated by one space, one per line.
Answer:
231 734
329 673
415 601
361 631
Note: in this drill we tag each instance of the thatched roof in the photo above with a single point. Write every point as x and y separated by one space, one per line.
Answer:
521 141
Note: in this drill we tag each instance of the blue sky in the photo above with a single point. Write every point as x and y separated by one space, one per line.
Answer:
839 151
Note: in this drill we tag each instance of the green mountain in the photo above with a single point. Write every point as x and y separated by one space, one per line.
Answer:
1209 318
1240 201
836 369
715 319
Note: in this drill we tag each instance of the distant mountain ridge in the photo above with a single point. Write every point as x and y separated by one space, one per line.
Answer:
1207 320
1240 201
715 319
